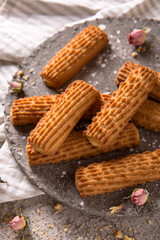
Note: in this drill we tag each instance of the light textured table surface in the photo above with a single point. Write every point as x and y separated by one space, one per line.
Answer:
45 222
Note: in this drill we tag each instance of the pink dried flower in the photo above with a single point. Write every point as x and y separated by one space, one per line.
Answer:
18 223
137 36
16 86
139 196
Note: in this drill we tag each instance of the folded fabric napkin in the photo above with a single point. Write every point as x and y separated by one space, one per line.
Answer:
23 26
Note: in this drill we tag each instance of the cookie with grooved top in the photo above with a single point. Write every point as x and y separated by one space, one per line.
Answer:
30 109
81 148
124 71
120 108
155 93
73 56
112 175
94 108
127 68
55 126
148 116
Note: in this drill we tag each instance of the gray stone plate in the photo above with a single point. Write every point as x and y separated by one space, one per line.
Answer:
58 180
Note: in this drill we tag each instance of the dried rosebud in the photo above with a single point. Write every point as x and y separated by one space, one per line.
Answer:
139 196
18 223
137 36
16 87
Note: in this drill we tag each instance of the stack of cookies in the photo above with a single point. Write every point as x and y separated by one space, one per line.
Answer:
113 119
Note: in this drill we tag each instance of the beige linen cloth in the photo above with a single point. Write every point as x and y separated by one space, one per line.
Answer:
24 25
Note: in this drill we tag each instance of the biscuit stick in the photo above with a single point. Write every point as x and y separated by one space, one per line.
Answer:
124 71
81 148
30 109
155 93
112 175
95 107
118 111
73 56
127 68
148 116
52 130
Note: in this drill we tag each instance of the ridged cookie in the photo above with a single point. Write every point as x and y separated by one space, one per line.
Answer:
127 68
155 93
30 109
118 111
112 175
124 71
73 56
76 146
148 116
53 129
96 107
81 148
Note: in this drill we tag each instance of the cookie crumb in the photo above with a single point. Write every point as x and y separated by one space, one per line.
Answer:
118 234
114 209
26 77
20 73
38 211
127 238
58 207
134 54
141 49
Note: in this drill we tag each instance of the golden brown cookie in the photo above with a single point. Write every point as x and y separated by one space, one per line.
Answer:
127 68
124 71
155 93
148 116
118 111
112 175
73 56
53 129
76 146
95 107
81 148
30 109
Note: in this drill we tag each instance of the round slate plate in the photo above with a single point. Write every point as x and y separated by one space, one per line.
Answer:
58 180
